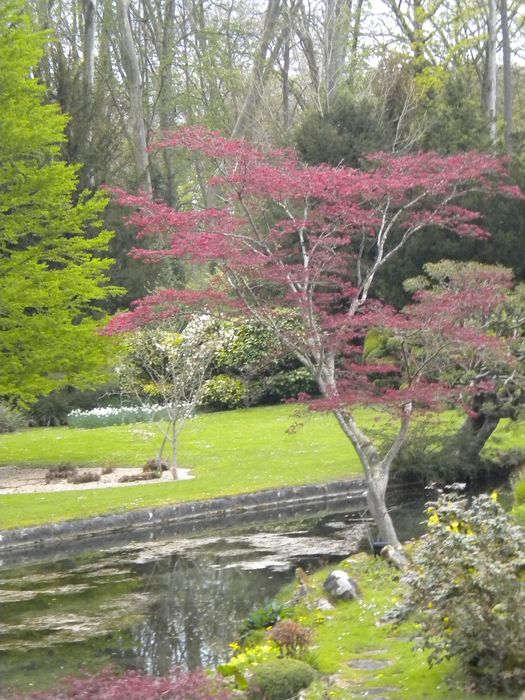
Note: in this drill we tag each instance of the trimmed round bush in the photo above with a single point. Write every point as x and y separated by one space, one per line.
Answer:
280 679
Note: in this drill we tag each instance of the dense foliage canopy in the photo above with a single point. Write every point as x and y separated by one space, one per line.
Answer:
52 275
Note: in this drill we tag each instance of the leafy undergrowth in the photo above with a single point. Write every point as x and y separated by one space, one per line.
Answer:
133 685
351 637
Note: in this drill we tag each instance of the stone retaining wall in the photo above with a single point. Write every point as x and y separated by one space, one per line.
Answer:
205 512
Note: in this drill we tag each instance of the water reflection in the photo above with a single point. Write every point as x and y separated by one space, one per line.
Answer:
155 605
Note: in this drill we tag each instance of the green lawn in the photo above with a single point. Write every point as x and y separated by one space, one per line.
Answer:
229 452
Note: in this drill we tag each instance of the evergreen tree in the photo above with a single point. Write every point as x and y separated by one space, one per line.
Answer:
52 264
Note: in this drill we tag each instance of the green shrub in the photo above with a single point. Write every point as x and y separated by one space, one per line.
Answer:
11 420
467 584
280 679
223 391
245 659
262 618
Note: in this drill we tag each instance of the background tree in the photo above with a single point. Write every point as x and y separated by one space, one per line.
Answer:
52 270
313 240
495 382
169 365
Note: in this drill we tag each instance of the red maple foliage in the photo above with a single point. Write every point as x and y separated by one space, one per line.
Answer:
312 240
134 685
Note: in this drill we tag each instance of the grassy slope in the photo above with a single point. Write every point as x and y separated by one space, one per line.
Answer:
229 452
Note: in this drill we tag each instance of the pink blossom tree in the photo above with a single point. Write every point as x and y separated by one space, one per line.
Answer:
312 239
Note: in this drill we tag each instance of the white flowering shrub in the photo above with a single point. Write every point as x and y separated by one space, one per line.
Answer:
121 415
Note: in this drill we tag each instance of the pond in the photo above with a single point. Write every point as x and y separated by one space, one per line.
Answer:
171 601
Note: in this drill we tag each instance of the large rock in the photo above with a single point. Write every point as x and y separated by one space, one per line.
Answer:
341 586
395 556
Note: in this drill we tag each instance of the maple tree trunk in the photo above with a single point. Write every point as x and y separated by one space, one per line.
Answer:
377 505
376 473
472 437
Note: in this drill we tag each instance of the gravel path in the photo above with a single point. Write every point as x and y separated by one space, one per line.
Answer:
33 479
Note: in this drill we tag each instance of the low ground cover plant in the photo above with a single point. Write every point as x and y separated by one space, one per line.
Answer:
134 685
467 584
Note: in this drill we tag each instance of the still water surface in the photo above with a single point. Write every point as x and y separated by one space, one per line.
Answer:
173 601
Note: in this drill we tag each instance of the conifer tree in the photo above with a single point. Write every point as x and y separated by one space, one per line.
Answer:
52 264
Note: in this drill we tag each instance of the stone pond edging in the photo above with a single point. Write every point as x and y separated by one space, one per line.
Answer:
223 509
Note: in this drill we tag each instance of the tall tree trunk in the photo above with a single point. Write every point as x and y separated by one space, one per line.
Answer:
302 30
507 75
131 67
260 72
336 41
88 83
491 71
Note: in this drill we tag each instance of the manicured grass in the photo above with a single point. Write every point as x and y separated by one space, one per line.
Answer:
351 632
229 452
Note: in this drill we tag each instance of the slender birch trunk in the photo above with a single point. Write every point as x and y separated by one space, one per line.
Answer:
131 67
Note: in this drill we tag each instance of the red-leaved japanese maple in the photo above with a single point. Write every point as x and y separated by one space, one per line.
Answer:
312 239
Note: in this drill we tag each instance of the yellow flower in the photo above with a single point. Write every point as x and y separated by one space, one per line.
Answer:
434 519
494 496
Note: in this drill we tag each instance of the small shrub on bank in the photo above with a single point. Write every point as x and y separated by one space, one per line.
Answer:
262 618
280 679
83 478
134 685
245 660
60 472
468 586
291 637
141 476
11 420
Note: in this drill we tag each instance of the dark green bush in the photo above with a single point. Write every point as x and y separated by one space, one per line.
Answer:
54 408
468 585
280 679
11 420
288 384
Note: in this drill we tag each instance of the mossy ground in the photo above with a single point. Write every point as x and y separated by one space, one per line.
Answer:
351 635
